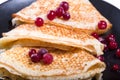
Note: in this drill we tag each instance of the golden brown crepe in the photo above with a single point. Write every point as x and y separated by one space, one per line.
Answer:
83 15
67 40
66 65
51 36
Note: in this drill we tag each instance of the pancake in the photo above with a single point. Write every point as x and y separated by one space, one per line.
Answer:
51 36
66 65
83 15
6 75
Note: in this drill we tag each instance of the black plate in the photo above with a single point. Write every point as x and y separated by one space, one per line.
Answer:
107 10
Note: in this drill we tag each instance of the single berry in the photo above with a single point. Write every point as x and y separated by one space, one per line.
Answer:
42 51
66 16
102 25
32 51
35 58
95 35
115 67
59 11
47 58
65 5
112 45
51 15
118 53
39 22
101 58
110 37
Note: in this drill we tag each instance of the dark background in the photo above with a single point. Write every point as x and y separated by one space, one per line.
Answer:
107 10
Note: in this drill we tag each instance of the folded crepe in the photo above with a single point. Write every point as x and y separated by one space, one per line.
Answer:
66 65
51 36
83 15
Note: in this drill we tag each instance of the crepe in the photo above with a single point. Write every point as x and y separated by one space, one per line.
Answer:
51 36
66 65
83 15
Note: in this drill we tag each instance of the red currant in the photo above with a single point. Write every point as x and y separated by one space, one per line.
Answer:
59 11
65 5
51 15
101 39
105 47
95 35
32 51
100 58
66 16
47 58
118 53
115 67
102 25
113 45
110 37
35 58
42 51
39 22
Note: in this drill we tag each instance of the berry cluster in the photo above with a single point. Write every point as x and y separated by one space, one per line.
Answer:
109 44
61 11
40 55
109 41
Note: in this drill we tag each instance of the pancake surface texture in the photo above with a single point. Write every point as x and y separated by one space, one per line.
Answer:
51 36
83 15
66 65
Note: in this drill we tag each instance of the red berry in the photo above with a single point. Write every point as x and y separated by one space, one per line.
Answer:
110 37
35 58
113 45
65 5
102 25
42 51
32 51
47 58
59 11
39 22
101 58
118 53
115 67
95 35
51 15
66 16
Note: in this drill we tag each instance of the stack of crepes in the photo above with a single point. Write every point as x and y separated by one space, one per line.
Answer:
69 42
